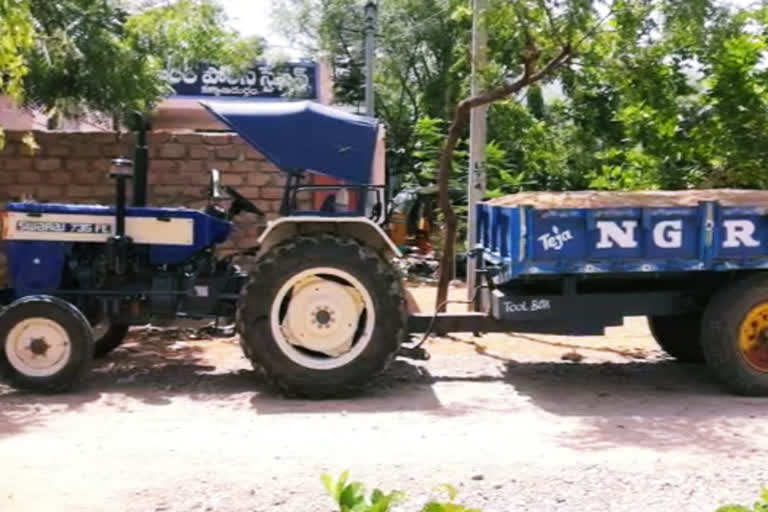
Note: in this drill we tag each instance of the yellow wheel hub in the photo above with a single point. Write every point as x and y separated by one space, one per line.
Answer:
753 338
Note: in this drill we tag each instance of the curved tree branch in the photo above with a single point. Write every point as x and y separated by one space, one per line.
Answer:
460 119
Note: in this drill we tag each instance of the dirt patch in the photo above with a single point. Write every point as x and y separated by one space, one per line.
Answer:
597 199
172 423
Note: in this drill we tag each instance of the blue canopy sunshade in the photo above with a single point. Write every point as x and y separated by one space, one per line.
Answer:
305 135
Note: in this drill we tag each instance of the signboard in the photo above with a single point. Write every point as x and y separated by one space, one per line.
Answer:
289 80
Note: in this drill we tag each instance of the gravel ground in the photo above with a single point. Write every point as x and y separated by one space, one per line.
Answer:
186 426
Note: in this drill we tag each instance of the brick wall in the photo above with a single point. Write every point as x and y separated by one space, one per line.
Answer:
73 167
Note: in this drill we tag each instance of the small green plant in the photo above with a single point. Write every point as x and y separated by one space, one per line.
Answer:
760 506
350 497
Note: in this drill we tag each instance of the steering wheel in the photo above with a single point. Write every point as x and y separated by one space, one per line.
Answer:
241 203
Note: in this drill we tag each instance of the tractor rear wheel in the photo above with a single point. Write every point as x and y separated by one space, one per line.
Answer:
46 344
321 315
679 336
108 337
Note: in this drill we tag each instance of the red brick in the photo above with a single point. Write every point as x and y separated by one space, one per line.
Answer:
155 138
101 138
16 191
271 193
188 138
17 164
269 167
217 139
221 165
252 154
250 192
89 177
116 150
258 179
231 179
104 192
47 164
29 177
172 150
86 150
195 178
228 153
60 177
246 166
102 165
57 150
164 166
194 191
7 178
78 191
77 164
49 193
194 166
277 179
199 151
167 190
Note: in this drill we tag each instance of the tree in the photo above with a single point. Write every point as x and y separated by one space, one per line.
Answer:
15 38
86 55
421 62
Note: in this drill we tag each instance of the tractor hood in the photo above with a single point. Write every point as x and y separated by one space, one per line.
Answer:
304 135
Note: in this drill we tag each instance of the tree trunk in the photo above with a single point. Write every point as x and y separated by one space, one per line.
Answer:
460 119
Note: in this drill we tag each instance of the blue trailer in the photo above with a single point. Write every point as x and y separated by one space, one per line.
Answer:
322 308
696 271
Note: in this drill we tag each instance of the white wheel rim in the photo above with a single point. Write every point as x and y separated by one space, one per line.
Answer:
38 347
320 323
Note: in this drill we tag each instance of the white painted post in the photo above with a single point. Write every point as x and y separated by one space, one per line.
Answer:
478 134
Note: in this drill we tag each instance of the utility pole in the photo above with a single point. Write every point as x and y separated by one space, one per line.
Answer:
478 134
371 14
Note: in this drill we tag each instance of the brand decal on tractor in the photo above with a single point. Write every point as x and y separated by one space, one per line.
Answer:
30 226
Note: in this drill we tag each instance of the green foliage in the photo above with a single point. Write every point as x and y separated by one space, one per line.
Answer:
15 39
75 55
187 31
664 94
350 497
760 506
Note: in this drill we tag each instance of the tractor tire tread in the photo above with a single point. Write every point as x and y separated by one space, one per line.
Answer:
255 308
720 330
74 373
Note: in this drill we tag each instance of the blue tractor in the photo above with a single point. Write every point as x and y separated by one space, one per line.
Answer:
321 310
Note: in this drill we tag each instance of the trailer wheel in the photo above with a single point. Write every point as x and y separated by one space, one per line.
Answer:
321 315
735 336
47 344
679 336
108 337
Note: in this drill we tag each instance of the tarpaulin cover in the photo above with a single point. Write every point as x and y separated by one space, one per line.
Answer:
304 135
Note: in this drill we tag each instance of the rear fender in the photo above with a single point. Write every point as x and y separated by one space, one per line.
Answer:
360 228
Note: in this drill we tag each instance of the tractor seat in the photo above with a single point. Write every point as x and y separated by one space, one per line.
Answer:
329 204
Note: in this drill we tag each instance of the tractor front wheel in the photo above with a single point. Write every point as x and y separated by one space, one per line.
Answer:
321 315
46 344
